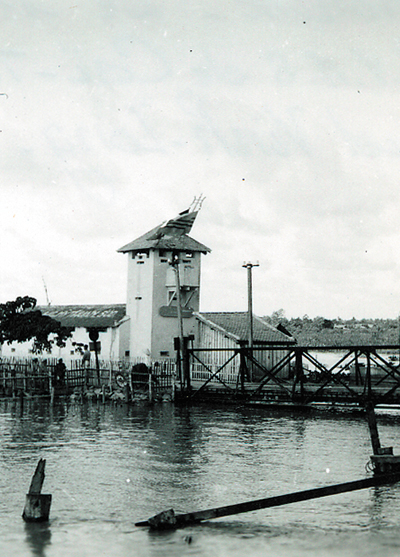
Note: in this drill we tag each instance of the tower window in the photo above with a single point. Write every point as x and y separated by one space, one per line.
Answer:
140 255
172 296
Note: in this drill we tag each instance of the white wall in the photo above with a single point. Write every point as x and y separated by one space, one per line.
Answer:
111 345
139 302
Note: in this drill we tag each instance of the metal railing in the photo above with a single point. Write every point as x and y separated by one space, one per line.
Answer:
356 374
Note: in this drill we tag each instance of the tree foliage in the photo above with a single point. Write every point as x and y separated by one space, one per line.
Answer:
320 331
21 322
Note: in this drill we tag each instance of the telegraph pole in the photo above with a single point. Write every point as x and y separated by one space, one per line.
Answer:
184 371
249 266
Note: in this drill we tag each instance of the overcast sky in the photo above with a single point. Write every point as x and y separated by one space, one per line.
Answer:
285 114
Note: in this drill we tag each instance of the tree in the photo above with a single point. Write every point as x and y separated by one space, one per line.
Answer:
21 322
277 316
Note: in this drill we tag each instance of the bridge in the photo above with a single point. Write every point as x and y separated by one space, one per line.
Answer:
355 375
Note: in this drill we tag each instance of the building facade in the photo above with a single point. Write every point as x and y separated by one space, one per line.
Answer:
162 304
109 320
153 294
226 331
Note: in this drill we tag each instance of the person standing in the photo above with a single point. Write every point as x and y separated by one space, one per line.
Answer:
86 357
59 373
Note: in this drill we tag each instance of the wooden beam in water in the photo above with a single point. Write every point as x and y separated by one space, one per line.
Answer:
169 520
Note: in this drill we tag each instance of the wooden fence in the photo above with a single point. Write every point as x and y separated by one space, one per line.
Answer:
37 377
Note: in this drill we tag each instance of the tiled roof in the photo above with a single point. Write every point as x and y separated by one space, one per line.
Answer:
235 324
101 316
151 241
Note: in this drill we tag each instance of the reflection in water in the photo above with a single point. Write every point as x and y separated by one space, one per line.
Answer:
38 537
383 508
110 466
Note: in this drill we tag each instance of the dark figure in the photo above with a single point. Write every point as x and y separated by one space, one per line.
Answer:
86 357
59 373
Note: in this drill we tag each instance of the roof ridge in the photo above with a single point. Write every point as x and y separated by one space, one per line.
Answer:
184 242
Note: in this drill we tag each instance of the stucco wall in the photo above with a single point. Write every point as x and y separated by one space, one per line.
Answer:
139 302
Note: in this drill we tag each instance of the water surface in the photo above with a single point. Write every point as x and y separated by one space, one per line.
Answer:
110 466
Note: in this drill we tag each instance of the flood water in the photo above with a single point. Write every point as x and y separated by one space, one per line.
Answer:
109 466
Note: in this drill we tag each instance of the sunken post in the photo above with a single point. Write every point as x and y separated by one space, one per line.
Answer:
37 505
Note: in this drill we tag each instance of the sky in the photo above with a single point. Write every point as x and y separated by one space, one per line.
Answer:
284 114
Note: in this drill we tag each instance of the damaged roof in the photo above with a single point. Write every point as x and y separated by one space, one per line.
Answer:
151 241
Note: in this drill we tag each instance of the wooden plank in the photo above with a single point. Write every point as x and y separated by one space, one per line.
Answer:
168 519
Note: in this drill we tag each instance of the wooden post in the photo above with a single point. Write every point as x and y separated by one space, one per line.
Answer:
24 374
50 378
94 337
299 375
173 386
169 520
358 379
96 356
37 505
186 364
177 343
150 387
368 377
242 369
14 380
373 428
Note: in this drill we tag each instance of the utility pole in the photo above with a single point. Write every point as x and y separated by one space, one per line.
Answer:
182 346
249 266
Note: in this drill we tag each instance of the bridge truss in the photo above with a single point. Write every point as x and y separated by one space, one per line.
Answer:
355 374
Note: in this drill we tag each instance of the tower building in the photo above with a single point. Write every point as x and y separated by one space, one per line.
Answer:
154 260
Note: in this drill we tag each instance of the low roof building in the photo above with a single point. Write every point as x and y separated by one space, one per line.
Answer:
235 325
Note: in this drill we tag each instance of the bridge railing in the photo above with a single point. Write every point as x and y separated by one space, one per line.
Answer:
300 374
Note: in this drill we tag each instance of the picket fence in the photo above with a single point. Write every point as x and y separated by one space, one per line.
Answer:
34 376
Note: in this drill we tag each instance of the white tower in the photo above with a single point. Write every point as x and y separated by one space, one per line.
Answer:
152 298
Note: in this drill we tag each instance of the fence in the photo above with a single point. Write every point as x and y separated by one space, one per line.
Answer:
38 377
